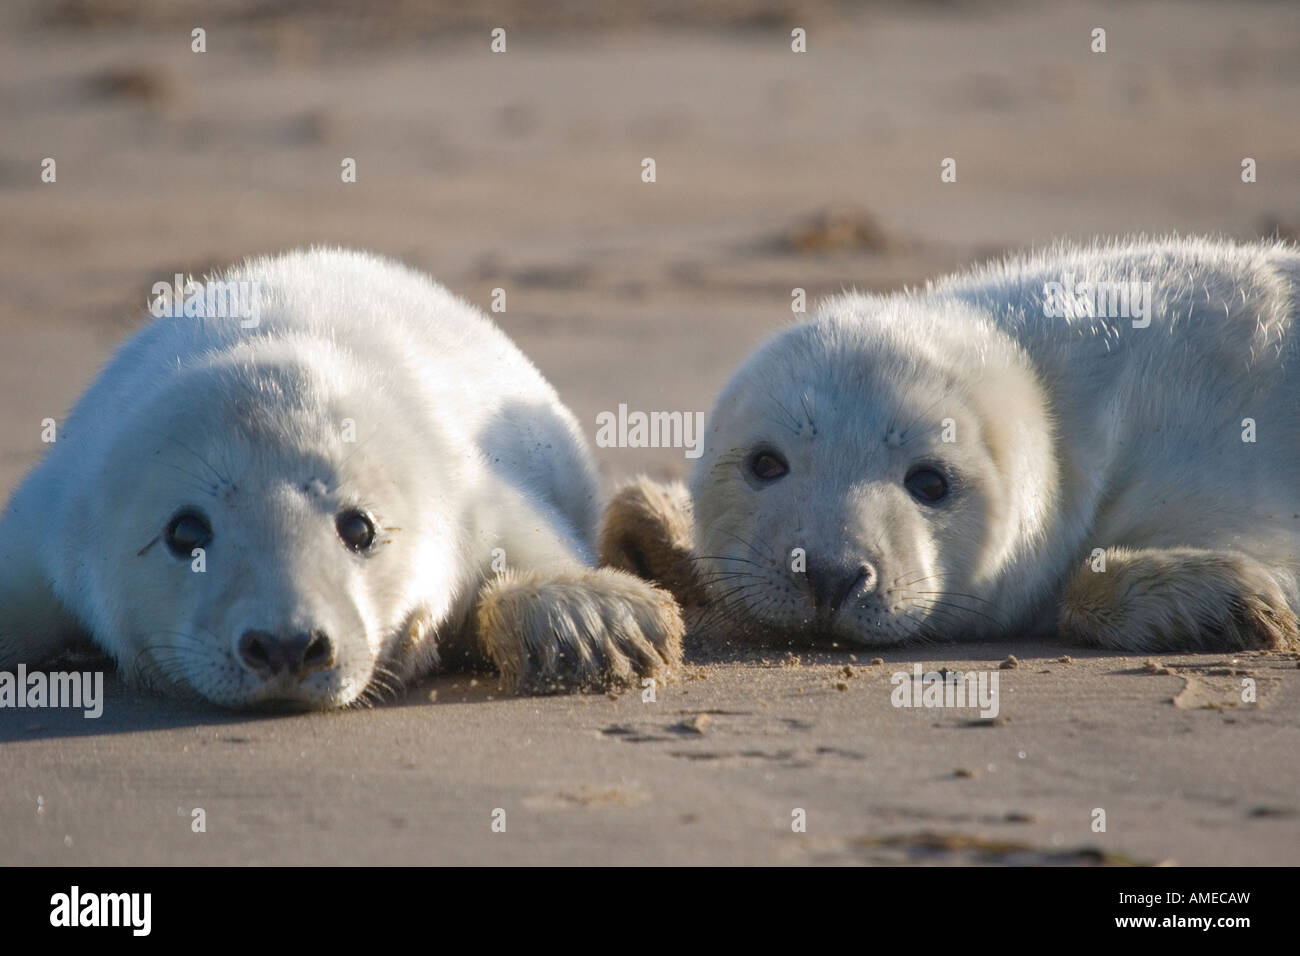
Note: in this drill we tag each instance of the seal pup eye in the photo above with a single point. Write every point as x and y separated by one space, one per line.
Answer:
186 531
926 485
767 465
356 529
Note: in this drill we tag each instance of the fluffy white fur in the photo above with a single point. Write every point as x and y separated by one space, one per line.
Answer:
461 448
1072 434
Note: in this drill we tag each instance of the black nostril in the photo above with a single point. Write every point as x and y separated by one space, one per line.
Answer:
833 587
255 652
298 655
866 579
319 652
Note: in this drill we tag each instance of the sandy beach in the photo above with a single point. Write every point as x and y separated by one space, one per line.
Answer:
521 171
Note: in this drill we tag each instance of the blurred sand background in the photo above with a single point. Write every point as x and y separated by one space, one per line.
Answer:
522 171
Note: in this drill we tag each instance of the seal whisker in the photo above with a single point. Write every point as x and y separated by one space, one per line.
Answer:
203 461
748 544
968 610
200 484
911 422
898 583
807 410
724 557
993 608
797 425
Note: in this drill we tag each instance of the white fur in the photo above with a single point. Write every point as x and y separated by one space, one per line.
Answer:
461 448
1072 434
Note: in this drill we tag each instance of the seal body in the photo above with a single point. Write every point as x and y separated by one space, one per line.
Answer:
316 504
1100 440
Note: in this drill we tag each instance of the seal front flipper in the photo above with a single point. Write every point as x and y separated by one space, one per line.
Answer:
646 530
34 625
578 628
1184 599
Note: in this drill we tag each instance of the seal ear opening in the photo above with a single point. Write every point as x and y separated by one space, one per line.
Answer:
646 530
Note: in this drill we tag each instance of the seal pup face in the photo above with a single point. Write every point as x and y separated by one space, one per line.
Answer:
869 476
275 536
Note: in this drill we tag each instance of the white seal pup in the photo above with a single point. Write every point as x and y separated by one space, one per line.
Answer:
1102 440
320 497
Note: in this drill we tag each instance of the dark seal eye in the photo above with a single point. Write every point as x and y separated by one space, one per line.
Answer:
356 529
767 465
186 531
926 485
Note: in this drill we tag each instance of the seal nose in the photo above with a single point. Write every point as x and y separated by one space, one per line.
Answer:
296 655
833 586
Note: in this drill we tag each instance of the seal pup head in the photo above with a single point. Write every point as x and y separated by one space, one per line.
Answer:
253 551
874 476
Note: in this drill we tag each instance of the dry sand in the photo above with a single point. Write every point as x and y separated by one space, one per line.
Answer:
522 171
